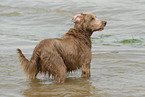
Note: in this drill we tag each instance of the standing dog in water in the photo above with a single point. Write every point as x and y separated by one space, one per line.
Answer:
58 56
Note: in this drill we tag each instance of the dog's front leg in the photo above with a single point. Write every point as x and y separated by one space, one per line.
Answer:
86 70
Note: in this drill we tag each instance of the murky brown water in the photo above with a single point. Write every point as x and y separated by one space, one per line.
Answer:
118 62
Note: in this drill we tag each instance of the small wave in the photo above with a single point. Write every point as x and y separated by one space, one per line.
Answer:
10 14
101 36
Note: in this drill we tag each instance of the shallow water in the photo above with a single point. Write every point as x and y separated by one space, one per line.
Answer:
117 68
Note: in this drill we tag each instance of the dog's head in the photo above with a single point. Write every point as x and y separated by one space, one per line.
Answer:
88 21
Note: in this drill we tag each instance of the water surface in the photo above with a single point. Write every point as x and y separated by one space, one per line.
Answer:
117 67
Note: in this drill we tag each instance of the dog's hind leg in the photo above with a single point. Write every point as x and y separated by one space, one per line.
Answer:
58 68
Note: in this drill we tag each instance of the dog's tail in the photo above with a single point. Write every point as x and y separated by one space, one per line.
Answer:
29 67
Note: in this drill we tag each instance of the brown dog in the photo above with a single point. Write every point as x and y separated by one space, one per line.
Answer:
58 56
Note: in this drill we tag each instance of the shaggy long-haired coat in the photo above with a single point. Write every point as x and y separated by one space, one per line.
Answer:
58 56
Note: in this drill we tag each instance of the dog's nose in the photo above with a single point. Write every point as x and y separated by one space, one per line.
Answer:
105 23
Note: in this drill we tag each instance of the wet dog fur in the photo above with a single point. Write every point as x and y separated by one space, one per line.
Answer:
58 56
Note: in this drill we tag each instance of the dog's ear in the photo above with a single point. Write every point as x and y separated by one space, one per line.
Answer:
77 18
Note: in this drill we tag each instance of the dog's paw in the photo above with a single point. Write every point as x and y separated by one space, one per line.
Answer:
60 79
85 74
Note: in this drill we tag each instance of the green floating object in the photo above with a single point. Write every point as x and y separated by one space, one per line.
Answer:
130 41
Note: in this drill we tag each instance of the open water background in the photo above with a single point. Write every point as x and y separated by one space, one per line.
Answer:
118 62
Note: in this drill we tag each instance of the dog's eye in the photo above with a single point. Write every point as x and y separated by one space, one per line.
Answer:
92 18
